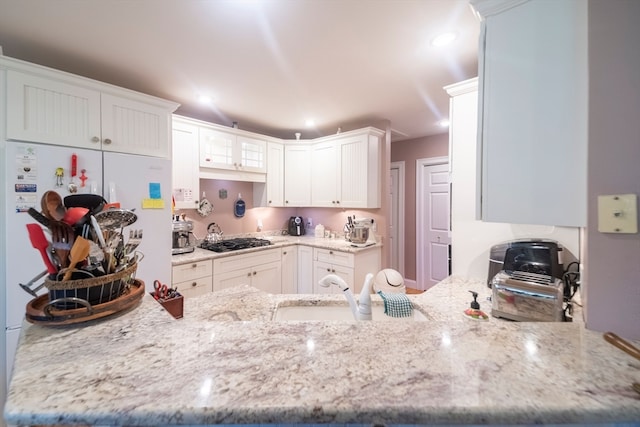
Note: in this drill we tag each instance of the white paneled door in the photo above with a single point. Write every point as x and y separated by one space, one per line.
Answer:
432 205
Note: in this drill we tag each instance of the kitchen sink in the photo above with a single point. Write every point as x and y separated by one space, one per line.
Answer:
290 311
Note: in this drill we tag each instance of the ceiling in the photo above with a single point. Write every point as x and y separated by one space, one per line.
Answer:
269 65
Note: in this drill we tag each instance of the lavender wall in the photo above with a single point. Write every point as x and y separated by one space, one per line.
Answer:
611 263
409 151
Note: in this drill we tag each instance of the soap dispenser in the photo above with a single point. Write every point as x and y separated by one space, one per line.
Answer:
474 312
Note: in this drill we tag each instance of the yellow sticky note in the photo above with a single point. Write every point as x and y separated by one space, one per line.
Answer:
152 203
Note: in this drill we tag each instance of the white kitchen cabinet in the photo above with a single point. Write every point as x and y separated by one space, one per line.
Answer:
226 150
271 192
533 113
186 180
352 267
57 108
261 269
305 269
345 171
325 174
193 279
289 256
297 175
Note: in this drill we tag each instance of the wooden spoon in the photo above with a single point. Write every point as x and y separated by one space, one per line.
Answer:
52 206
79 251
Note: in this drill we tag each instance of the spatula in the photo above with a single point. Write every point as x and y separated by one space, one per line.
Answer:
79 251
39 241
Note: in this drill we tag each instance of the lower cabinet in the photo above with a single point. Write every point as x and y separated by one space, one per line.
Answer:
193 279
262 270
352 268
305 270
289 270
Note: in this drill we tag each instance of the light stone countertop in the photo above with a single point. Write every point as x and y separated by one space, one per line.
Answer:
226 362
278 241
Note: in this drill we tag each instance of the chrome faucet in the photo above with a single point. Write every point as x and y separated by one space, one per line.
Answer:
362 309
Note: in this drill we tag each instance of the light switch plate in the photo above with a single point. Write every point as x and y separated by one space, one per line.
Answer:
618 213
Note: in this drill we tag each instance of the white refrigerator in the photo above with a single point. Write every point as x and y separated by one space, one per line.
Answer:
138 183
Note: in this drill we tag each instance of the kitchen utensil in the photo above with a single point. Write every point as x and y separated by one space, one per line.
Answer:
161 290
40 242
79 252
73 188
135 238
75 216
27 287
115 218
93 202
205 207
214 233
98 231
52 207
62 238
38 217
622 344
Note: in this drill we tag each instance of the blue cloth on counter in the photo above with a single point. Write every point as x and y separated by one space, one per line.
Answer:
396 305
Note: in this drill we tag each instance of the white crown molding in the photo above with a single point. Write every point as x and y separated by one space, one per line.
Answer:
485 8
460 88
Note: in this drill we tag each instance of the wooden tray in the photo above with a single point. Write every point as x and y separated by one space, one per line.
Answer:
36 312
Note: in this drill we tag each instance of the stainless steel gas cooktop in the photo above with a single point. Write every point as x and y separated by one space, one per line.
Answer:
230 245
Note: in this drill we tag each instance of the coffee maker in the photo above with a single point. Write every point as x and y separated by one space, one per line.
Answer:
183 239
296 226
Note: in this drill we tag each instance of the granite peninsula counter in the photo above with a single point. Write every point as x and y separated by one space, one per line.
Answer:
226 362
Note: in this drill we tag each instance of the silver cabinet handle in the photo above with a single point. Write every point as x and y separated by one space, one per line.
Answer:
95 139
107 141
194 265
194 284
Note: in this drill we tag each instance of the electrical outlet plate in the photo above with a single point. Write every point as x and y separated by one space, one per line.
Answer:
618 213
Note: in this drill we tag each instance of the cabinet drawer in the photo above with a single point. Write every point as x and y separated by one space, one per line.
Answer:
191 271
238 262
195 287
334 257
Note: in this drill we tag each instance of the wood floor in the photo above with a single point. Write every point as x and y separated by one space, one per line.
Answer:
414 291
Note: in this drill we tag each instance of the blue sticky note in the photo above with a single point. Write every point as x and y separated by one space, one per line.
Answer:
154 190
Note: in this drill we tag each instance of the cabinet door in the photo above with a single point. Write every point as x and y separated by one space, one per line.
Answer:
231 279
325 175
305 270
321 269
186 182
533 88
52 112
217 149
359 184
267 277
289 270
297 175
134 127
275 176
250 154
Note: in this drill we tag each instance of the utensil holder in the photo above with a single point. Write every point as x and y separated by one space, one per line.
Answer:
175 306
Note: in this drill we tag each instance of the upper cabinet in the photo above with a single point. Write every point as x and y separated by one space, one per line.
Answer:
297 175
271 193
186 179
345 171
52 107
229 151
532 113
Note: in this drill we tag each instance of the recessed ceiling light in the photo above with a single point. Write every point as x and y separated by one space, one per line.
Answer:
309 123
444 38
444 123
204 99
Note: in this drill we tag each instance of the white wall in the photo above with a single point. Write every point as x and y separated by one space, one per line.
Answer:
471 240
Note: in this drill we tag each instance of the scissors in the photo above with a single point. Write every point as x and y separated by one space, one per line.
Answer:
160 290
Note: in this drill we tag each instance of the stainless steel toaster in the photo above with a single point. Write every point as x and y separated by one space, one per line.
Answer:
524 296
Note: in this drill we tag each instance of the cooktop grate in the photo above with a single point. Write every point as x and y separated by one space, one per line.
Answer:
236 244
